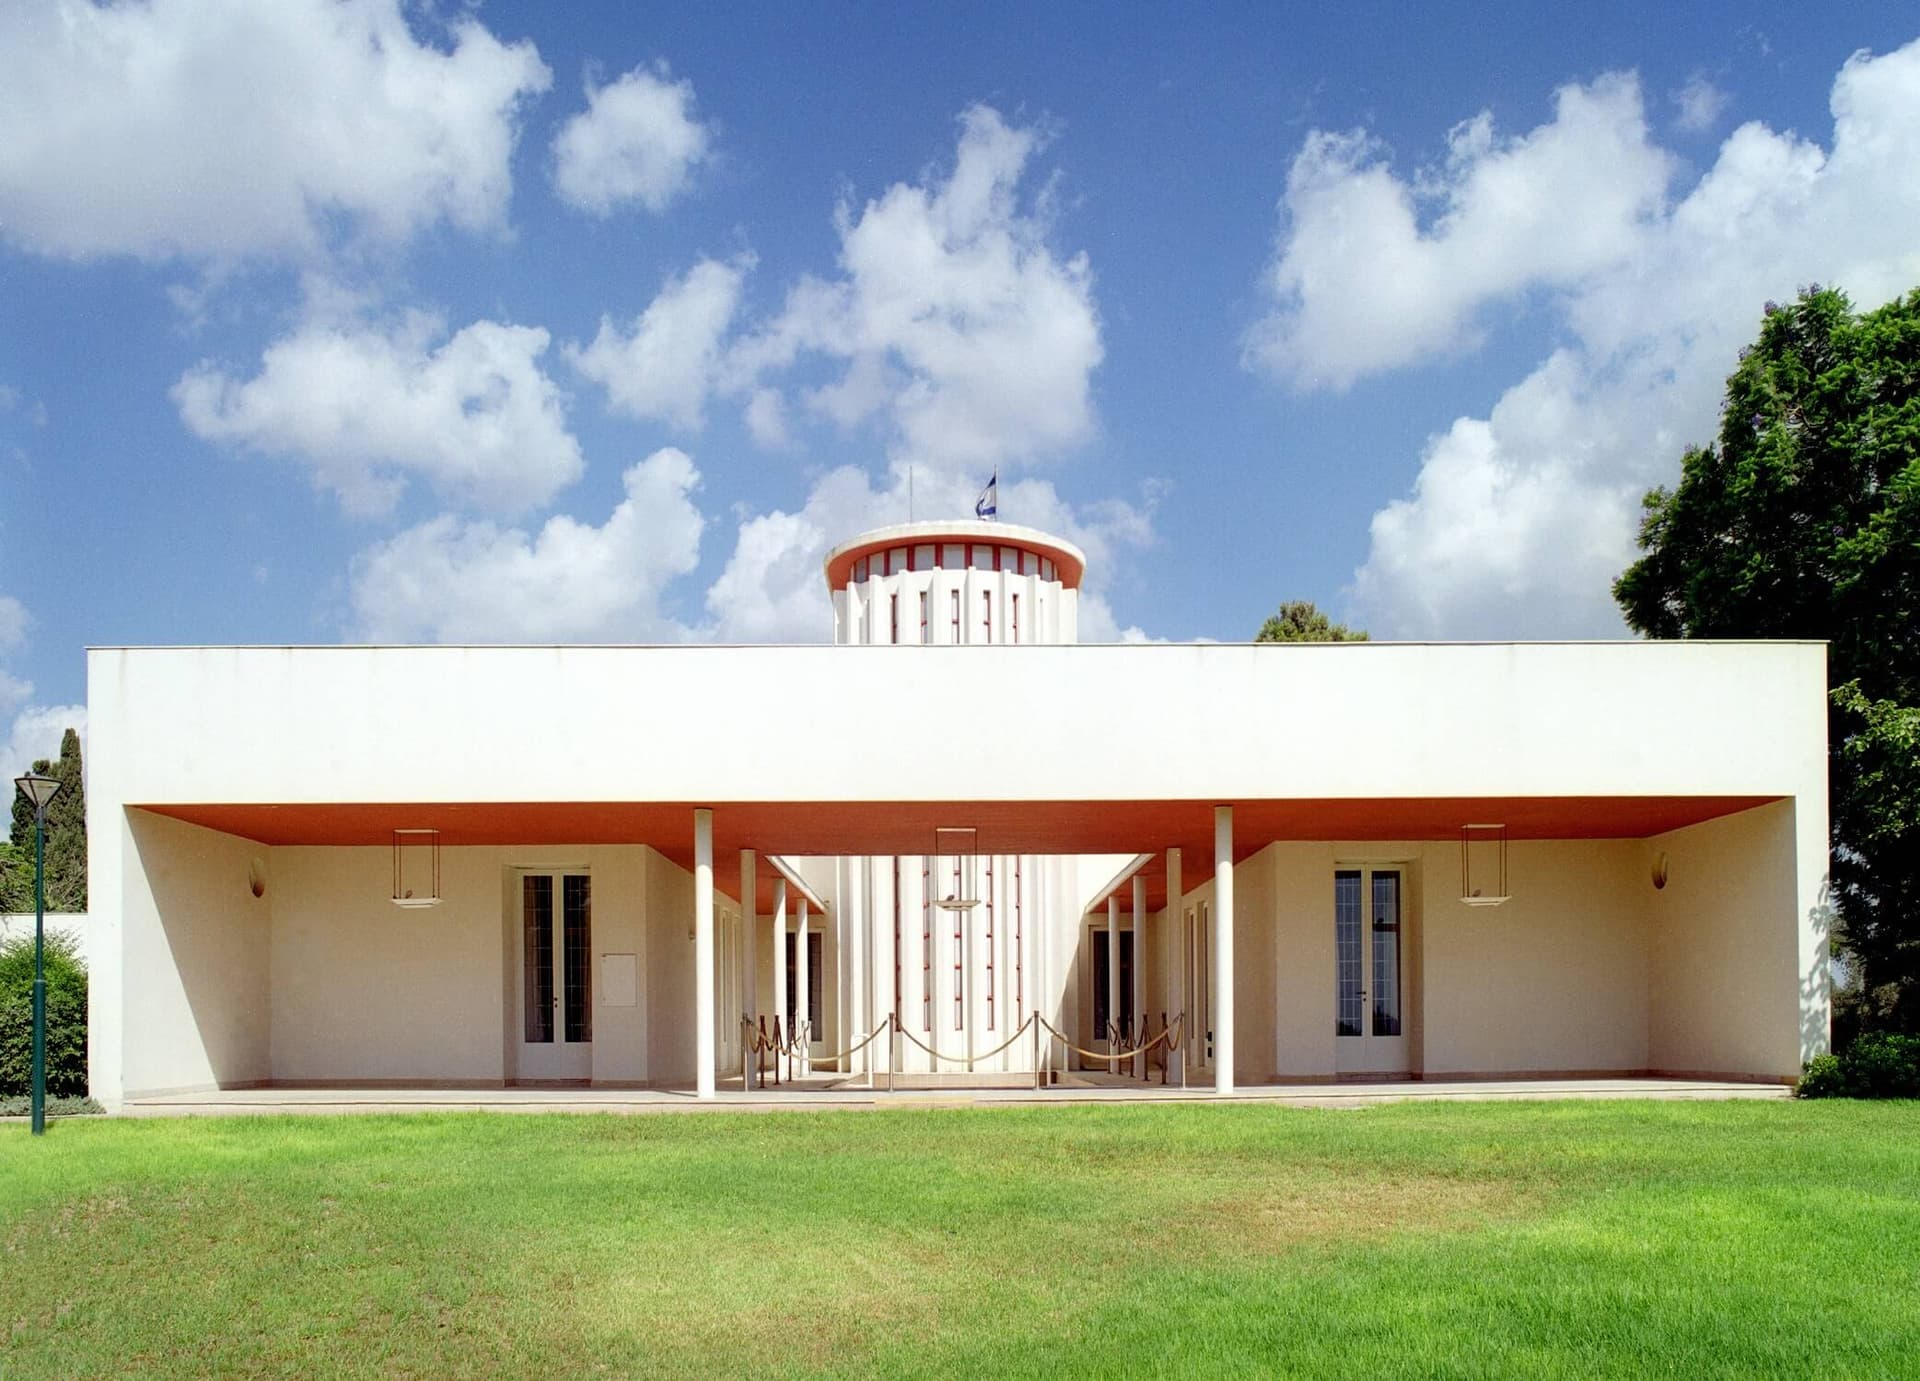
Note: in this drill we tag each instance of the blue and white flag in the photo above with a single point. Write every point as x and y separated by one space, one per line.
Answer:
988 504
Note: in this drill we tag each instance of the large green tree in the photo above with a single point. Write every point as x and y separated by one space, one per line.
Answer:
66 838
1300 621
1804 522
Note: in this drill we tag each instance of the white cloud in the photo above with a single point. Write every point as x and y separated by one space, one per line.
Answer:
1698 105
665 365
954 321
773 588
453 581
959 331
13 622
766 416
226 129
33 731
1374 272
36 733
637 140
1518 522
366 407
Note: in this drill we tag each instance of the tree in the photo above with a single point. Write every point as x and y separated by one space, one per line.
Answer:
66 836
1804 522
1300 621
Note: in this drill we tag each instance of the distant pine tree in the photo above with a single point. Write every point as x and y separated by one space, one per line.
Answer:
1300 621
66 838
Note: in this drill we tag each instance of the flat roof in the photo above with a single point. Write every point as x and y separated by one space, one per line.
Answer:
1069 561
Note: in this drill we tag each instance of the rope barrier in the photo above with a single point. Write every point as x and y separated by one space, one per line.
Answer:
759 1042
1108 1055
971 1056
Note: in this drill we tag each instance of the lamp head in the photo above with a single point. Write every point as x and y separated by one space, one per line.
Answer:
37 789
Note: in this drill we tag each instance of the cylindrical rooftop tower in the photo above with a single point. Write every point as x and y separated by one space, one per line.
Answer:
955 581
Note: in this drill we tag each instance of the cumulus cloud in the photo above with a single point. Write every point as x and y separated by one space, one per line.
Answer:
637 140
366 407
664 366
1375 272
1519 521
450 580
953 322
1698 105
32 731
36 732
225 130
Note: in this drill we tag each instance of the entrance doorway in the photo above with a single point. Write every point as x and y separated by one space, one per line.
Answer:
556 976
1369 994
816 987
1101 1012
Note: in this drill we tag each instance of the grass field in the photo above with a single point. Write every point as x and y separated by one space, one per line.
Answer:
1538 1239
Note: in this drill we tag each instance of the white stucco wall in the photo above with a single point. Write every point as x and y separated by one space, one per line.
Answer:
196 942
1738 944
1554 980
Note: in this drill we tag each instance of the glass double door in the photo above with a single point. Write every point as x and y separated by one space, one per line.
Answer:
1369 991
556 976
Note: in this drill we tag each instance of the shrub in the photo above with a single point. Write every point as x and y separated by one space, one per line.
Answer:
1879 1065
66 1017
1823 1079
1883 1065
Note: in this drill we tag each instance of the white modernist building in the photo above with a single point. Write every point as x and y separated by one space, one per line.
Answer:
954 845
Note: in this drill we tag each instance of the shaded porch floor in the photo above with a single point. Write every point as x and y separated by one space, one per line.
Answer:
815 1093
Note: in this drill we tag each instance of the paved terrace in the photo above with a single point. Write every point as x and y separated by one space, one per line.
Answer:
818 1094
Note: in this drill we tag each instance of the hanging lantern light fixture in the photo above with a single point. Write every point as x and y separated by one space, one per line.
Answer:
961 848
416 868
1483 865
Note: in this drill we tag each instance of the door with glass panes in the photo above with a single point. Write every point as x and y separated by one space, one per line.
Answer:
556 976
1369 989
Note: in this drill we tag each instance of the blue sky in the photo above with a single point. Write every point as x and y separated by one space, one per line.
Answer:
325 322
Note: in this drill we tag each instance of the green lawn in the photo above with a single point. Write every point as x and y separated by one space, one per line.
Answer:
1543 1238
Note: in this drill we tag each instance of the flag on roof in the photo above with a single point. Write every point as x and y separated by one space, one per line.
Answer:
988 504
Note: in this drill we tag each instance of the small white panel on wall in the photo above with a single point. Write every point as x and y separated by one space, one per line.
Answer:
619 980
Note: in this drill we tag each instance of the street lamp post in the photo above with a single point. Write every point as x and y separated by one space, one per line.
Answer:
39 790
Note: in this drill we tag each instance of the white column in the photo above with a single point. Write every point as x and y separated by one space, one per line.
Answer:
803 1004
1139 960
780 1014
855 945
1223 949
749 933
703 953
1113 969
1176 956
880 974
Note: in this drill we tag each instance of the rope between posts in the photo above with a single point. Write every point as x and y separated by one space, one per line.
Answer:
1114 1055
852 1050
971 1057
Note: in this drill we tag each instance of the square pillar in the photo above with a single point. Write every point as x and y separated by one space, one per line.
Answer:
749 978
1139 962
1223 949
780 1013
703 975
1174 942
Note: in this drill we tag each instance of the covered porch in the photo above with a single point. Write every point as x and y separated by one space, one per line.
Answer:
1265 944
